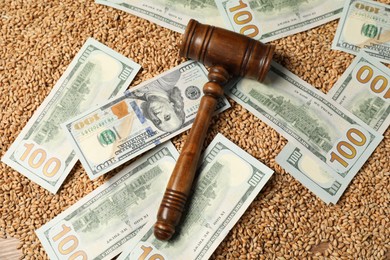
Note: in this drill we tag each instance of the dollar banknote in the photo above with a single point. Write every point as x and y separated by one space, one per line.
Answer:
171 14
364 90
229 179
335 138
41 152
324 183
364 25
99 225
268 20
153 112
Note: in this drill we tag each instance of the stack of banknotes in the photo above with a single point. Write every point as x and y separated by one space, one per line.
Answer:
321 154
331 136
264 20
118 216
364 24
90 116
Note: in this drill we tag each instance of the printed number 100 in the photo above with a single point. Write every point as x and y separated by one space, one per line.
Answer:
36 157
378 83
244 18
146 253
346 149
68 243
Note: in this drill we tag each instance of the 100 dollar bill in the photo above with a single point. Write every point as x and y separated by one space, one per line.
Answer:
271 20
336 139
41 151
364 90
364 25
153 112
98 225
323 182
172 14
229 179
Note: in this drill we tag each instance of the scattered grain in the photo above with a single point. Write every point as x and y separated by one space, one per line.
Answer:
39 39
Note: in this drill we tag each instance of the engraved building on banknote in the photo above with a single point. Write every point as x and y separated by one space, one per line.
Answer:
67 108
204 193
193 4
298 117
369 109
272 5
116 205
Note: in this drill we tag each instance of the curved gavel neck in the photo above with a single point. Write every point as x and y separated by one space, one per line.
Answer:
218 77
221 76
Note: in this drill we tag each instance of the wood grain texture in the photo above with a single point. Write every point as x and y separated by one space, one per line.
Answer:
8 249
180 183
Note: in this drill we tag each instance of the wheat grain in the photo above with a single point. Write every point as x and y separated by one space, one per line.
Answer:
39 39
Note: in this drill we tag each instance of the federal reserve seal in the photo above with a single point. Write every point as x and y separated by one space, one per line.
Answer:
192 92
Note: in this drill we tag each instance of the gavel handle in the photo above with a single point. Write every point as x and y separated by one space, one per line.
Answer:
180 183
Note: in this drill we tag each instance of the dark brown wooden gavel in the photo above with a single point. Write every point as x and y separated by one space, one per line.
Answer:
227 54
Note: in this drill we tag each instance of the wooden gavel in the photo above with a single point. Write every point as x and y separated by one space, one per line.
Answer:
227 54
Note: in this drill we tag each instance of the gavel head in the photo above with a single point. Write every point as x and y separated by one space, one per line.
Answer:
238 54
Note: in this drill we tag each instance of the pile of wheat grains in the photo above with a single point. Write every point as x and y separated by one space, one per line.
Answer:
38 40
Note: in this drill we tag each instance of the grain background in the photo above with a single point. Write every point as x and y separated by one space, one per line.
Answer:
38 40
